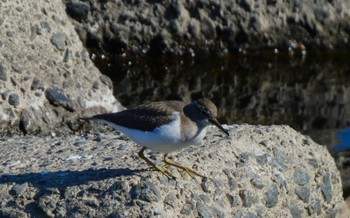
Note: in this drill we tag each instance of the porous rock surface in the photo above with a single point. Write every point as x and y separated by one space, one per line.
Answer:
259 171
46 75
191 27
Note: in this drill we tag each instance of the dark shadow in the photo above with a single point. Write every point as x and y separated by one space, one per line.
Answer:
62 179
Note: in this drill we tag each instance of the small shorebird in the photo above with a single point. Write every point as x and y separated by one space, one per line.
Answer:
164 126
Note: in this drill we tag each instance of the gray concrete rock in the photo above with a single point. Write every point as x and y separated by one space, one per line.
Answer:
46 75
53 176
202 27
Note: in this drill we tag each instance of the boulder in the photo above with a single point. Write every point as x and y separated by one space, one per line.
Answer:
46 75
195 28
259 171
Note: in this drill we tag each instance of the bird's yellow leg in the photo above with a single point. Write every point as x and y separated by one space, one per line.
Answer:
186 169
160 169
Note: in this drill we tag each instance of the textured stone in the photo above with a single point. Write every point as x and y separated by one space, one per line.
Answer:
40 48
59 40
303 193
78 10
57 97
248 198
104 181
257 183
301 176
295 211
326 187
3 73
203 211
145 191
271 197
14 100
19 189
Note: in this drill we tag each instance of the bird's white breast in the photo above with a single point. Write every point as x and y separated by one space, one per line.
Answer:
166 138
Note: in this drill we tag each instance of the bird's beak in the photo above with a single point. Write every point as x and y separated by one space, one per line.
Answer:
216 123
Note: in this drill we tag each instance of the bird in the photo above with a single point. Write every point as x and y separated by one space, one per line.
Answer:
164 127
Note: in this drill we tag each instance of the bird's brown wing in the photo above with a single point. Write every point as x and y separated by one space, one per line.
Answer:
145 117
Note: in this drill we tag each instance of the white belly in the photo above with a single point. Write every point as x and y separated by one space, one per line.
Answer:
164 139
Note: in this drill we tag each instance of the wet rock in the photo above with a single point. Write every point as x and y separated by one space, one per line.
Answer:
57 97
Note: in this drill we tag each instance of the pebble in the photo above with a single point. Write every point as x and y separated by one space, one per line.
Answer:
271 197
14 100
78 10
37 84
59 40
301 176
257 183
203 211
234 200
57 97
248 197
315 208
232 184
303 193
3 73
19 189
205 184
295 211
170 200
262 159
326 188
145 191
187 209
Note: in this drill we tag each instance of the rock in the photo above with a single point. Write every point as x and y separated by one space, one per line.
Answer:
146 191
14 100
99 180
57 97
257 183
248 197
19 189
271 197
78 10
303 193
203 211
44 51
59 40
3 73
207 27
301 176
326 187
